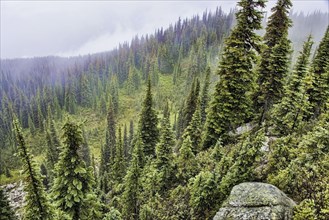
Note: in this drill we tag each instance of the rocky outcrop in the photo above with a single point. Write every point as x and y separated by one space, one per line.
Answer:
16 195
256 201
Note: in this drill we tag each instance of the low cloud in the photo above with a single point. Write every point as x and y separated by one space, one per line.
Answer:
41 28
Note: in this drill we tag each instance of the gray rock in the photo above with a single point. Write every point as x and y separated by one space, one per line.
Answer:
256 201
16 196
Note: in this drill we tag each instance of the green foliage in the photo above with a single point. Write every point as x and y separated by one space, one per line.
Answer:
274 63
72 188
305 210
186 163
108 153
319 92
37 205
306 176
204 195
204 98
119 160
113 214
148 123
288 115
132 188
190 104
164 156
194 130
231 104
85 150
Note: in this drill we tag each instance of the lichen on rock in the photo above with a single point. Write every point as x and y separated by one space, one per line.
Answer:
256 201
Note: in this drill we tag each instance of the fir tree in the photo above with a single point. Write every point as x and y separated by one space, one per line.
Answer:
191 104
274 58
164 155
6 212
204 195
108 153
44 175
204 99
126 144
131 131
294 106
319 92
37 205
119 162
73 184
114 87
85 150
231 104
186 162
194 130
131 194
148 124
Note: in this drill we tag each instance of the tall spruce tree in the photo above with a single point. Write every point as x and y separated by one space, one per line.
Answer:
126 144
319 92
108 154
119 161
148 123
204 98
132 188
6 212
72 188
232 104
294 106
191 103
274 59
37 206
186 161
194 130
164 155
85 150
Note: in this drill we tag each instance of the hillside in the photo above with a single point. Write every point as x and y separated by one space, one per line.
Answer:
164 126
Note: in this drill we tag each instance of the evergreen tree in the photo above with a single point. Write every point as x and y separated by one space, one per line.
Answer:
294 106
108 154
85 150
191 103
164 155
114 87
72 188
84 91
148 123
126 144
243 168
204 99
194 130
319 92
44 175
131 131
131 194
274 58
204 195
37 205
6 212
231 104
186 162
119 162
54 138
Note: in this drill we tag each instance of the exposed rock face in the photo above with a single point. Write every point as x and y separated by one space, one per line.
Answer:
16 195
256 201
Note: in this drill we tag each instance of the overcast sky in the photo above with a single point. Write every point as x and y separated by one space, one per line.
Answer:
68 28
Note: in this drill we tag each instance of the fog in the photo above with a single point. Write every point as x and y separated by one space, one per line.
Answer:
41 28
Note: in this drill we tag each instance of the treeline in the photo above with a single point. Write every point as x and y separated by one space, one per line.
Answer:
263 122
29 87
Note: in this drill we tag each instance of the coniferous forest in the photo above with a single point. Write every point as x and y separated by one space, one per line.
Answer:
163 127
